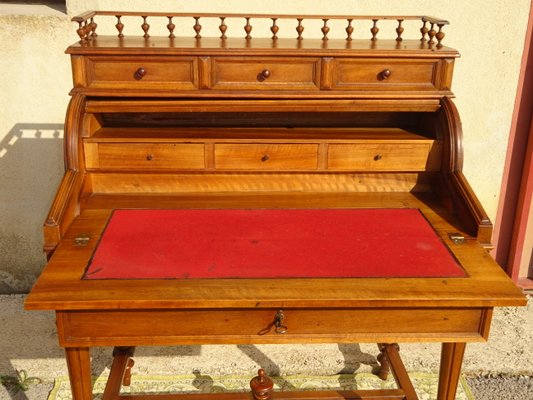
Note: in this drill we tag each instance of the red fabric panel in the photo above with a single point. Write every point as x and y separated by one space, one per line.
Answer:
149 244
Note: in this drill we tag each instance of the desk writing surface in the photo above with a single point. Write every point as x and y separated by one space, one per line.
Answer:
308 243
61 286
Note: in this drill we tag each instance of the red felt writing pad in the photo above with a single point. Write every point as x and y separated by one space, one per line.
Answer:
157 244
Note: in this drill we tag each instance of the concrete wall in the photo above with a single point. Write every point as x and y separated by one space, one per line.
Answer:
35 80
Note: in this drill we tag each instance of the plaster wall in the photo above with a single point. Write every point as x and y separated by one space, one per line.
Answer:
35 81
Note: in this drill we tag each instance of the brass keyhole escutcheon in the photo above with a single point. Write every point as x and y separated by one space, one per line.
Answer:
279 327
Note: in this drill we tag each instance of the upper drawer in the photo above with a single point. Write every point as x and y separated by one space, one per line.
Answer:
383 157
148 156
268 156
269 73
168 73
383 74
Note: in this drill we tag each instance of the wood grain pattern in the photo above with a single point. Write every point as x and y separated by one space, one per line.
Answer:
210 123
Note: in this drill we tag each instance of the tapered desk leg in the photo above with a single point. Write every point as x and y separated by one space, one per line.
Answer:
451 360
79 371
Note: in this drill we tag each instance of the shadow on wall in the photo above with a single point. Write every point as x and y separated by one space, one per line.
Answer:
31 167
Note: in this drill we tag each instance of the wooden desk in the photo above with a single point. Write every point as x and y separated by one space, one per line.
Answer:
190 123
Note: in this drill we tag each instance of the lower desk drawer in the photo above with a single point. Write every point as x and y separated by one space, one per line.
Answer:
144 156
137 327
267 156
380 157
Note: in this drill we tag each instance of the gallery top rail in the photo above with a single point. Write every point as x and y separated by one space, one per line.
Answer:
431 29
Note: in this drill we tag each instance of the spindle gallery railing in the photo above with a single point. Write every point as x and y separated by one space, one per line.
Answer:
431 30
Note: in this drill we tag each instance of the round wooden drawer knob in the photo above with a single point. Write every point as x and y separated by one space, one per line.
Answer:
264 74
265 158
149 157
139 74
385 74
378 157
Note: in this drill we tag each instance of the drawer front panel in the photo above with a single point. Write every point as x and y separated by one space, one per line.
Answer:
266 156
148 156
168 73
234 73
242 326
379 157
384 74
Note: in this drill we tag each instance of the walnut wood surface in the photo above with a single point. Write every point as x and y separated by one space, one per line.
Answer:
218 123
60 286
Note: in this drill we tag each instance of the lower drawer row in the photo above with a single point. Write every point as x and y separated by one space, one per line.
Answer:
406 156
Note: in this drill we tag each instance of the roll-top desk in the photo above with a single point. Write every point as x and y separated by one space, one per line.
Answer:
266 128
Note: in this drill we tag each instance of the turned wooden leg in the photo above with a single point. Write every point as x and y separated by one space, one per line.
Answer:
261 386
451 360
384 365
79 372
120 373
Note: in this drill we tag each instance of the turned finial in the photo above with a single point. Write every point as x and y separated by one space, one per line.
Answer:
261 386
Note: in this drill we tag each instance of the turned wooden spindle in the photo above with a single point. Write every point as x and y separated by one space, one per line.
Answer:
93 25
248 28
119 26
197 27
374 30
424 31
223 28
432 33
384 364
261 386
440 35
145 27
399 30
171 27
325 29
274 29
80 31
87 29
349 30
300 29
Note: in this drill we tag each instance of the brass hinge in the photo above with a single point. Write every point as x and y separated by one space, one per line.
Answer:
457 238
82 239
